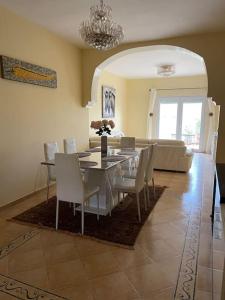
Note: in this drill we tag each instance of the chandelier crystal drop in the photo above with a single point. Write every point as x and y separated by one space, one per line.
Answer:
100 32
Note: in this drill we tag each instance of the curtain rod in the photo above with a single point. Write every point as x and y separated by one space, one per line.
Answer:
201 88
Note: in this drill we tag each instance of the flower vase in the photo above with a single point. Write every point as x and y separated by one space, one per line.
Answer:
104 145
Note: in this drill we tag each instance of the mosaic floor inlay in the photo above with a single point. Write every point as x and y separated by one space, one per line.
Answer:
19 241
24 291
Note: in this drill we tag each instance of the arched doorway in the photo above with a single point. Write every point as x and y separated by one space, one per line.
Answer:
139 111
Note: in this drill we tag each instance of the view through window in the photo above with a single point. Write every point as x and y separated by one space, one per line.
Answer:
181 118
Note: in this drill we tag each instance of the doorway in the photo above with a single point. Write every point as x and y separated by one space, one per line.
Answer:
182 118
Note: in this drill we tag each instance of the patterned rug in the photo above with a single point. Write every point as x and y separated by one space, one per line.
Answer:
121 228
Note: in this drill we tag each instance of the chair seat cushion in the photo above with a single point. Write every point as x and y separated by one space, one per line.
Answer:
125 185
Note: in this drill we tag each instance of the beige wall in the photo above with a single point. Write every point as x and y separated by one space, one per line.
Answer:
138 97
31 115
210 46
95 112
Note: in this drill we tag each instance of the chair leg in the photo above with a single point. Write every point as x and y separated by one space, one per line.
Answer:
82 218
138 207
153 185
47 189
148 196
57 215
145 199
74 209
110 194
98 206
118 197
110 206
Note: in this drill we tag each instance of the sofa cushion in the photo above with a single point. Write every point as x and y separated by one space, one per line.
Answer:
167 142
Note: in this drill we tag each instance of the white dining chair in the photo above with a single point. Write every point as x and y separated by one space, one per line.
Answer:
70 186
70 145
149 175
127 142
50 149
134 186
149 171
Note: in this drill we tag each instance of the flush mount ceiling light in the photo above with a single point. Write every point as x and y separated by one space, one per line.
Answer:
166 70
100 32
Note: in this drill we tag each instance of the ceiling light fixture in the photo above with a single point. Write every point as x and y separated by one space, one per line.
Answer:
166 70
100 32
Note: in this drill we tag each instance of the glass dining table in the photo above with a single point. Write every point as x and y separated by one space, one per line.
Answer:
101 171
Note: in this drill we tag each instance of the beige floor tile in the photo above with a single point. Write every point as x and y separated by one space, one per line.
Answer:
171 267
37 277
51 238
205 258
202 295
218 245
218 260
100 264
217 281
88 247
164 216
206 241
160 250
113 286
4 266
167 294
149 278
130 258
66 274
82 292
204 279
4 296
25 261
60 253
33 244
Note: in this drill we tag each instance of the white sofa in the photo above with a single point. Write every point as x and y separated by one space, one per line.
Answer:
171 155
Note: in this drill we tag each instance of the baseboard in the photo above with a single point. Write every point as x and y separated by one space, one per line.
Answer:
25 197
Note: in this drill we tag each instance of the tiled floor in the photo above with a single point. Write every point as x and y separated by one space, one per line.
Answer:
174 257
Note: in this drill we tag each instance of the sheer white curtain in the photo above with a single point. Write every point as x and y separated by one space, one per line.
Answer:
150 116
214 111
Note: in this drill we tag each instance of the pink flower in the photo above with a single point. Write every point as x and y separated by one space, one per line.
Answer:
105 122
93 124
111 123
99 124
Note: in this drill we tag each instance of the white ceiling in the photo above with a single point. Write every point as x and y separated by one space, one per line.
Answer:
141 19
144 64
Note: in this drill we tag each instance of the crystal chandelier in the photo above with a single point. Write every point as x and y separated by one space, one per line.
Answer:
100 32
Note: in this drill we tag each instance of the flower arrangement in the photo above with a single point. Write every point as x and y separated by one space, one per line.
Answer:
103 126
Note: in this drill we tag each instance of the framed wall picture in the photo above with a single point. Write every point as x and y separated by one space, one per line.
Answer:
108 102
18 70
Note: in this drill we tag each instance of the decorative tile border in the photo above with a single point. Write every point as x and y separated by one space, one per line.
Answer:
19 241
187 276
24 291
18 289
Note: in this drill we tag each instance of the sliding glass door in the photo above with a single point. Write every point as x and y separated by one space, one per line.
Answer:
181 118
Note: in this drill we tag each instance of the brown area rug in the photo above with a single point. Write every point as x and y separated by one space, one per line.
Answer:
121 228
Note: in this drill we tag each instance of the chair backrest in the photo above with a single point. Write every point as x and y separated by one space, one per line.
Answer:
69 184
140 177
151 161
50 149
127 142
70 145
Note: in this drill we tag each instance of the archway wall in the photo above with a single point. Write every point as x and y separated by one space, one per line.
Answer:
210 46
